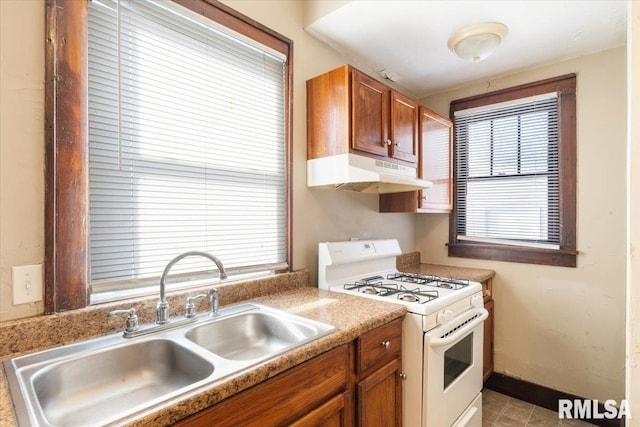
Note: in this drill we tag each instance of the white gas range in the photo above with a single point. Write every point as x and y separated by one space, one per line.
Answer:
442 332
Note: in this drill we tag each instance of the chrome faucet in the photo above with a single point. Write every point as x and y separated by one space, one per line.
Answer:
162 309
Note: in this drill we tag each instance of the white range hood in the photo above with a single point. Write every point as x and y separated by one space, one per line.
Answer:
353 172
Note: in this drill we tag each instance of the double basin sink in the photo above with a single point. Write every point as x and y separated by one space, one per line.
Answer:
112 379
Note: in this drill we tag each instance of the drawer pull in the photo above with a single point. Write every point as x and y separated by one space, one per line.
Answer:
403 376
386 344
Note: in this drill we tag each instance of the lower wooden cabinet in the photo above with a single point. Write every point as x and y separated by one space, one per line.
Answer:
357 383
487 357
330 414
378 383
284 399
380 397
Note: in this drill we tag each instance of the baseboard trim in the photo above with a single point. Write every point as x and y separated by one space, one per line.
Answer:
540 395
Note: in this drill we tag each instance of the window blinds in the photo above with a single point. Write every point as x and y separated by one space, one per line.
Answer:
507 188
187 144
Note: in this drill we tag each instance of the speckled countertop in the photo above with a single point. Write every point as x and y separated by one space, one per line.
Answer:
290 292
473 274
352 315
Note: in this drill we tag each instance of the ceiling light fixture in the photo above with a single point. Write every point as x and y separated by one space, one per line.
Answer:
476 42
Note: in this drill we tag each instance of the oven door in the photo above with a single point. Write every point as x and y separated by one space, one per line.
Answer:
453 369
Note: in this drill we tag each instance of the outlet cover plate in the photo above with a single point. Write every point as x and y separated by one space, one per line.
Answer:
27 283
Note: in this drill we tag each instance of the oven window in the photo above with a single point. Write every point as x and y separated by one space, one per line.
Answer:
457 359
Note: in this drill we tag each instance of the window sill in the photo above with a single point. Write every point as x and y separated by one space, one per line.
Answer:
553 257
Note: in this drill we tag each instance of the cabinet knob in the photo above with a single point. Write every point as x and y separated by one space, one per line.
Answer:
388 141
425 198
386 344
403 376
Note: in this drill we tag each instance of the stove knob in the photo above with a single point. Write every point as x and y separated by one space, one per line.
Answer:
444 317
477 301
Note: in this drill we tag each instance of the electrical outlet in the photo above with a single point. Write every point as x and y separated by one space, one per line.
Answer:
27 283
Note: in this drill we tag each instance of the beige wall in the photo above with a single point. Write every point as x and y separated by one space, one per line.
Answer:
21 145
564 327
318 215
633 266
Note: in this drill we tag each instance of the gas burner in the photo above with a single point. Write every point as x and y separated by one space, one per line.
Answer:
370 287
455 284
408 297
417 295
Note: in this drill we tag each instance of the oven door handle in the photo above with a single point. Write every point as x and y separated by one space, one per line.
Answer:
450 339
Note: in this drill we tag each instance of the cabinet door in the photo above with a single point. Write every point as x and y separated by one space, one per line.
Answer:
370 114
404 128
380 397
436 163
487 356
330 414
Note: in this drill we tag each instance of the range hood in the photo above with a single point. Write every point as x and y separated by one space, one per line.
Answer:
354 172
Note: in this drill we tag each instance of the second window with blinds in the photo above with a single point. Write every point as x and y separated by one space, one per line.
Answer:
514 183
187 145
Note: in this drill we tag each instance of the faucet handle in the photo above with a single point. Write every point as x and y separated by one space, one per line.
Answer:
213 301
132 318
190 308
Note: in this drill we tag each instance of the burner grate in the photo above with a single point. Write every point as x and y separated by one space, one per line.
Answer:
418 279
423 279
375 286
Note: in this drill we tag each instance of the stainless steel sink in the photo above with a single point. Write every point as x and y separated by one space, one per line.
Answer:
85 390
256 334
111 380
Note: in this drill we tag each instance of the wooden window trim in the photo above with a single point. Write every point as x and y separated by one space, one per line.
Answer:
566 256
66 141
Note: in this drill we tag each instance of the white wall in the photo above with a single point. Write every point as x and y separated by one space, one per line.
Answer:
318 215
633 266
564 327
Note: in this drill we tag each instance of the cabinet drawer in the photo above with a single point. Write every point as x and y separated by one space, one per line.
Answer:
379 346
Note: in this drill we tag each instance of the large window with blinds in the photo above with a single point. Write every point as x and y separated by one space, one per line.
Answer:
186 144
168 131
515 174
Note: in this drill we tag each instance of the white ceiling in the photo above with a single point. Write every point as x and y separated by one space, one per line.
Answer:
409 38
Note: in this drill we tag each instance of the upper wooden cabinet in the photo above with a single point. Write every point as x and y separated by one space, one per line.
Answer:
370 110
349 111
435 165
404 128
436 161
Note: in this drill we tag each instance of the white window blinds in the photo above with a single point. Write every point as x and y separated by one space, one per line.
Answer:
506 181
187 143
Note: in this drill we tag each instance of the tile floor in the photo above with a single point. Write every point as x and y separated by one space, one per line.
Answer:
499 410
